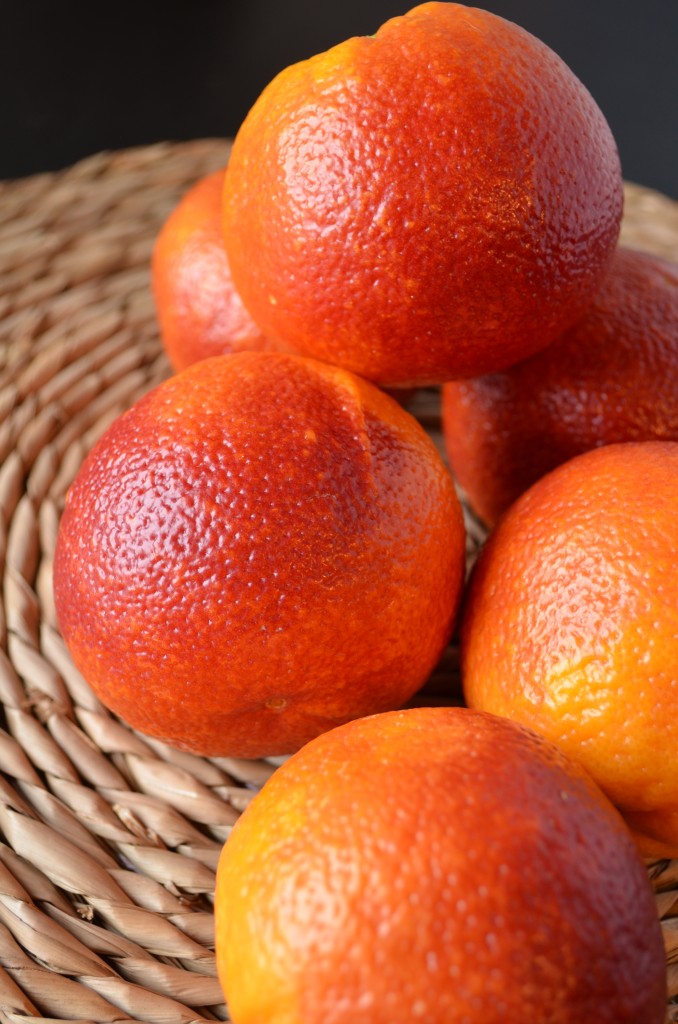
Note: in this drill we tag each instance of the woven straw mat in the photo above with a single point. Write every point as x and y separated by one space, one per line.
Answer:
109 840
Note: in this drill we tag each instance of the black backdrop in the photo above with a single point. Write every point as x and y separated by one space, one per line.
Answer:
80 77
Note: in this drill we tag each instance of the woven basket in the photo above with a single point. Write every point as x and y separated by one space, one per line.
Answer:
108 840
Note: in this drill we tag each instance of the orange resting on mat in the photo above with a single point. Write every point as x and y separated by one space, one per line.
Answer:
199 311
263 547
437 865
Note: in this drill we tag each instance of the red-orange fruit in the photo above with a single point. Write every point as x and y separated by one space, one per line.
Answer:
612 377
200 313
436 865
261 548
436 201
570 625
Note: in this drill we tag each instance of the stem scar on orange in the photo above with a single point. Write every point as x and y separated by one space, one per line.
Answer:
435 201
261 548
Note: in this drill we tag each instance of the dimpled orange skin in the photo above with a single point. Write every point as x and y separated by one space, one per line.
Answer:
262 548
570 625
439 865
610 378
437 201
199 312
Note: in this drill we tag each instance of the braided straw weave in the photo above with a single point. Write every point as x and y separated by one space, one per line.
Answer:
108 840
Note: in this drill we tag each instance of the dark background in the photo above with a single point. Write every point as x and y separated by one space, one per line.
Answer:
80 77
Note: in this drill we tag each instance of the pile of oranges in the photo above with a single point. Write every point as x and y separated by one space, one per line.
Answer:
266 555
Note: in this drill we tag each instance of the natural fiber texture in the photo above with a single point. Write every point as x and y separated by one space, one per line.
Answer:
108 840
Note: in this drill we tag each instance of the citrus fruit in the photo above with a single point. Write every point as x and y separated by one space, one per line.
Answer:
436 201
570 625
262 547
611 377
200 314
437 865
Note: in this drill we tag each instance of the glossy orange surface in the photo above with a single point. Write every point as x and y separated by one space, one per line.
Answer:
435 865
200 313
571 625
435 201
261 548
612 377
